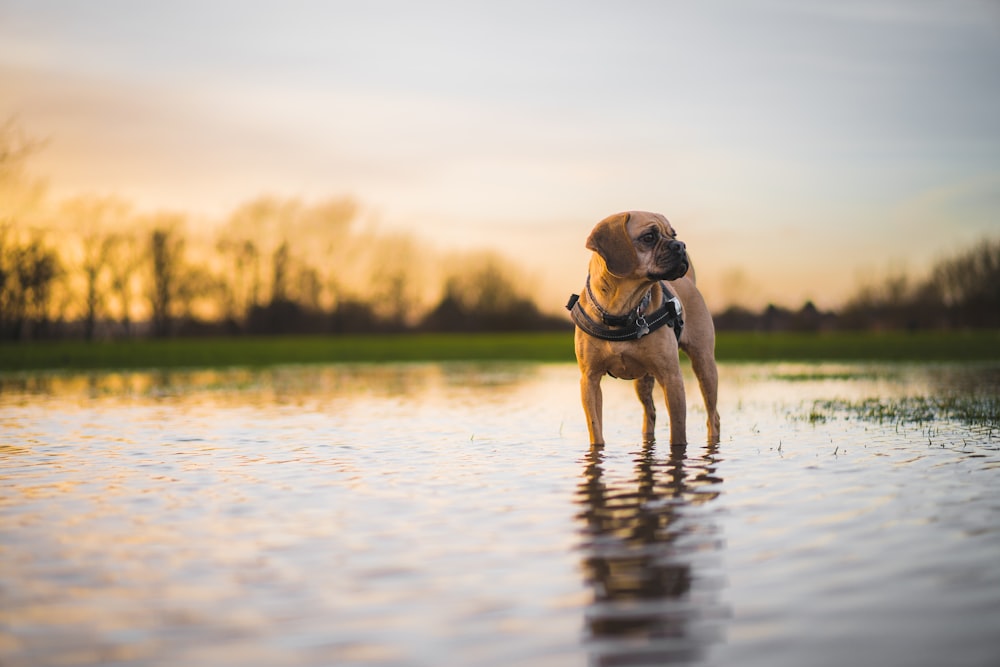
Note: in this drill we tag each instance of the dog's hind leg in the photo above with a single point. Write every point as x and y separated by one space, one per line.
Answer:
644 390
705 369
698 342
673 391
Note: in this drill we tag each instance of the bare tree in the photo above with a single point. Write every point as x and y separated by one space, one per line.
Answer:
279 285
166 249
27 273
126 259
242 291
396 284
41 268
278 250
310 288
28 267
94 220
482 294
194 285
969 285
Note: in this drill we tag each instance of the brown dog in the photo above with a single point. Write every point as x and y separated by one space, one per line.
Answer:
629 324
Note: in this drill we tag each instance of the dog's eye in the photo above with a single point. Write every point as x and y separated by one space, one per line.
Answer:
649 238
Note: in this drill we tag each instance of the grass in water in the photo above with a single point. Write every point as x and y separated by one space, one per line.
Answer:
972 410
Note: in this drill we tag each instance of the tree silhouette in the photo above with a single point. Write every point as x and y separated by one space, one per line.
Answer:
27 273
95 221
278 265
166 249
125 261
968 285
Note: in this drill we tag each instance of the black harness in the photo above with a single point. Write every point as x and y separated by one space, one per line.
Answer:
630 326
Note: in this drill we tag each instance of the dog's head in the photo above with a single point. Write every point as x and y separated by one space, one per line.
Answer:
639 245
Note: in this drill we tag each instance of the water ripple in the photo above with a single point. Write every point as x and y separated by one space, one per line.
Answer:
454 514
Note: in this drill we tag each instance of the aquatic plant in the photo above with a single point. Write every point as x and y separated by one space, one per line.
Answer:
975 410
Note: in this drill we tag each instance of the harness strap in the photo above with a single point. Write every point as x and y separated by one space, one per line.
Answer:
632 327
619 320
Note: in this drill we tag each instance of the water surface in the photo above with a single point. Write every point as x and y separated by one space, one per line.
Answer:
454 514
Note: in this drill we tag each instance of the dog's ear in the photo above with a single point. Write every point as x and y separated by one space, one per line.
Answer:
611 241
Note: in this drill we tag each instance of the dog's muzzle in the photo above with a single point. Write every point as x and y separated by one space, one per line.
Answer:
674 262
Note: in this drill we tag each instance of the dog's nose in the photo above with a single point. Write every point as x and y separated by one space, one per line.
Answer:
676 246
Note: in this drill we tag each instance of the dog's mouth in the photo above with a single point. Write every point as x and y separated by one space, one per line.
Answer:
674 267
671 274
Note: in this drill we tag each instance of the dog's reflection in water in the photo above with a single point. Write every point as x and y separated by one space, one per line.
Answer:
651 555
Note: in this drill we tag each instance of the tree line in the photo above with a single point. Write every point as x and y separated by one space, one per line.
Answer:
959 292
275 267
92 267
282 267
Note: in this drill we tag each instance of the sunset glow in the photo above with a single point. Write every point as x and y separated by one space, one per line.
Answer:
798 147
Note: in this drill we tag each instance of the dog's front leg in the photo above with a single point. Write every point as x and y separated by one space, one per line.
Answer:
593 406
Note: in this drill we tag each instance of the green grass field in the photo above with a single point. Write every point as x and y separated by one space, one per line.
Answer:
549 347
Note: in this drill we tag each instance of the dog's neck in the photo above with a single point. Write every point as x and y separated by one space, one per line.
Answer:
614 295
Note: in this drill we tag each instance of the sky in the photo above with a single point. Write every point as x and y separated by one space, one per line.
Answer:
800 147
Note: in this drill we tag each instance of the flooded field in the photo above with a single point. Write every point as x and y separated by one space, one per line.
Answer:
454 514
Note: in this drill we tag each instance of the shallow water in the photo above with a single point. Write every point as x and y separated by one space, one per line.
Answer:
455 515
